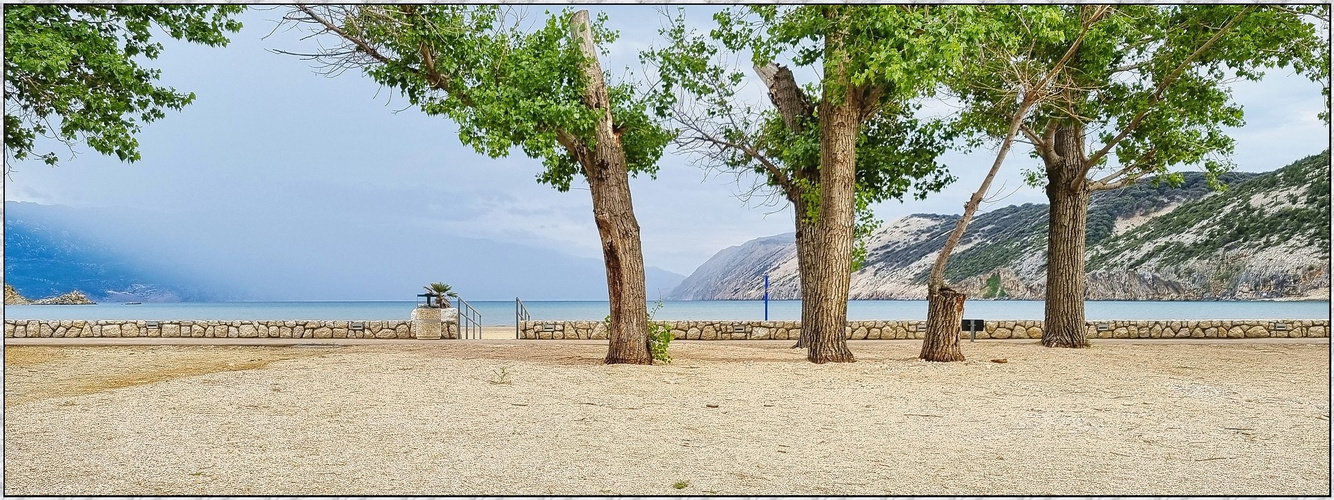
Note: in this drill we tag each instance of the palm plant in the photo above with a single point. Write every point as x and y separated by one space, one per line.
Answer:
440 291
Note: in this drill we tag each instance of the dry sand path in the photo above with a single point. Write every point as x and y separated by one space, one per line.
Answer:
741 418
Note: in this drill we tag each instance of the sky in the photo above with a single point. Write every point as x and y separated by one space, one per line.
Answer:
278 174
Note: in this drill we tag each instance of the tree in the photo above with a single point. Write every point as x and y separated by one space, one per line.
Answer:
72 72
440 291
1146 92
872 61
699 92
542 91
996 67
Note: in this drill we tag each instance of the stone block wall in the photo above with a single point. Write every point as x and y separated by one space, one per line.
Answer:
299 329
895 329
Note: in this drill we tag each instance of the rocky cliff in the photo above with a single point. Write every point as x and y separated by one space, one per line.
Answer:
1265 237
12 296
72 298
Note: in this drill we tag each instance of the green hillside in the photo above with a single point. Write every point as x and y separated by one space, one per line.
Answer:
1232 220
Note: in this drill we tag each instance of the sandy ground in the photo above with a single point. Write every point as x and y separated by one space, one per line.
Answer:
740 418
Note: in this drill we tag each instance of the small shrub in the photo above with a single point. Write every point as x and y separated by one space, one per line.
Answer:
681 485
659 335
501 376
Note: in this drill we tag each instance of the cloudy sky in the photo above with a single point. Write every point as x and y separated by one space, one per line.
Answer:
279 173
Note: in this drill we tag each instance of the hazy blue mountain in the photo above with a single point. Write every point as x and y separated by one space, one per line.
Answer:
48 253
119 254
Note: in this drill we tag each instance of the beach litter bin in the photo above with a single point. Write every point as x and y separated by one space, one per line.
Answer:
426 323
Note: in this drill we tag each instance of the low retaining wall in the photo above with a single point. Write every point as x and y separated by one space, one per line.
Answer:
886 330
298 329
687 330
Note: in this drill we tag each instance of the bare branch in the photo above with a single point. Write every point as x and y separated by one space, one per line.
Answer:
1106 183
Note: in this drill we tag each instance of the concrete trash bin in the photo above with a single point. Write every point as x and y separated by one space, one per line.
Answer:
426 323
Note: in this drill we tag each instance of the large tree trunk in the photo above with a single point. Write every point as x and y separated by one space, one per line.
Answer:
839 123
806 268
796 110
609 182
1067 227
944 316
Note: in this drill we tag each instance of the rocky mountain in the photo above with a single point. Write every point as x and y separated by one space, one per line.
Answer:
12 296
76 297
1267 236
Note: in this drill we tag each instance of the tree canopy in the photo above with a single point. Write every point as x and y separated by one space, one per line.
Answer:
1151 85
505 85
73 72
699 90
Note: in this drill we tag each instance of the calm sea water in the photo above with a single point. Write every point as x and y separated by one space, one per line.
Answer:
502 312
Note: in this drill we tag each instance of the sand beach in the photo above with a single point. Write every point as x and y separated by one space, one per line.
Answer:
490 417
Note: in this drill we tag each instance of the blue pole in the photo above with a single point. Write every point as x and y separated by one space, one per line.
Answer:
766 296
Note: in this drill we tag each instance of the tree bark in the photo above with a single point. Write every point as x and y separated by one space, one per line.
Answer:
609 182
786 95
944 316
796 110
806 268
1067 228
840 119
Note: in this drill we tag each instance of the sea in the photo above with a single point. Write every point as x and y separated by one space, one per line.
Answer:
503 312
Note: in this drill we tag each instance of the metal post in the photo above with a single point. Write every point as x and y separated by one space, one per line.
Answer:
766 296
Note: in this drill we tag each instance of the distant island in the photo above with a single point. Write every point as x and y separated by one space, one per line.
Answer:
12 297
1266 237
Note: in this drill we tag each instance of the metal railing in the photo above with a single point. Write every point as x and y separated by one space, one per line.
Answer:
470 321
520 315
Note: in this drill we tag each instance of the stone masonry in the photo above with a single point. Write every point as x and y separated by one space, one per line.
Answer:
895 329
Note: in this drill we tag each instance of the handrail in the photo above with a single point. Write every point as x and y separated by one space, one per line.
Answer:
470 321
520 315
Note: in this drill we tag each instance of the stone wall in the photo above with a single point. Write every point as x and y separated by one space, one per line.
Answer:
887 329
688 330
299 329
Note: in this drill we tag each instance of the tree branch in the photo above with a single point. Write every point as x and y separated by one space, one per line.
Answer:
1106 183
786 95
1162 88
361 44
775 173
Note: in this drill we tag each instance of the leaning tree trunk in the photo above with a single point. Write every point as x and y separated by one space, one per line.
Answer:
944 316
839 124
944 305
609 182
1067 227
